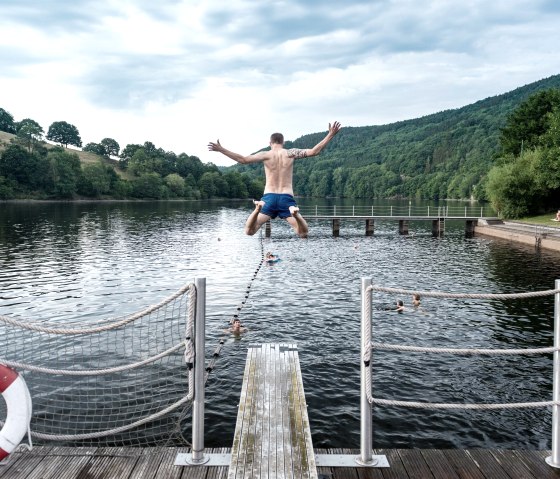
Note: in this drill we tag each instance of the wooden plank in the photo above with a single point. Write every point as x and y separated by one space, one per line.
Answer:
439 465
415 464
112 462
487 464
535 462
306 428
397 469
148 463
265 442
463 464
238 453
287 436
25 463
167 468
294 426
515 469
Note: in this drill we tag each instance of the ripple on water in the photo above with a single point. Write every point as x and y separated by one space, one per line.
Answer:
93 262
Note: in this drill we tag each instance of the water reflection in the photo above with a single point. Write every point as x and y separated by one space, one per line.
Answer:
95 260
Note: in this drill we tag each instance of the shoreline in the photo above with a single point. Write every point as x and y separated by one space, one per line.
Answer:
539 236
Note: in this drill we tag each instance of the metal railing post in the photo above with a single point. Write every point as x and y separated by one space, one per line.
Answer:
198 402
554 459
365 406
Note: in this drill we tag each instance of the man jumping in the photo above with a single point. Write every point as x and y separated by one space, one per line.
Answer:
278 199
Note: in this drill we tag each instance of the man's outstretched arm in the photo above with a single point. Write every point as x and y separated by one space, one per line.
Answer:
333 130
236 156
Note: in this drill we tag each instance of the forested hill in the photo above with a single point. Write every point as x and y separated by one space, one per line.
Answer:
443 155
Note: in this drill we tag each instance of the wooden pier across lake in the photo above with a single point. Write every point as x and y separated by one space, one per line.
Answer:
403 215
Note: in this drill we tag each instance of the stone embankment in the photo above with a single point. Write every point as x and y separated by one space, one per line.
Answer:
540 236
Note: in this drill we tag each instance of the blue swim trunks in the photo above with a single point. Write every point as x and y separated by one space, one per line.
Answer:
277 204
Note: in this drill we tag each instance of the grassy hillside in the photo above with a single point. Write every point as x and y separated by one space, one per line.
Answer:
85 156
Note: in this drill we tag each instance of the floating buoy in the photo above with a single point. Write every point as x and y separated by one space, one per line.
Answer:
18 402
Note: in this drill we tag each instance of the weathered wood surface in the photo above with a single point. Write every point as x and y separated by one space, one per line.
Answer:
157 463
272 435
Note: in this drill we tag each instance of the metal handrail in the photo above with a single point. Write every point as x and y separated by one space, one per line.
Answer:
366 381
408 211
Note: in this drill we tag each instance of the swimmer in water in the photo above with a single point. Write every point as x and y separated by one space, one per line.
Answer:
400 306
236 327
278 199
416 300
270 257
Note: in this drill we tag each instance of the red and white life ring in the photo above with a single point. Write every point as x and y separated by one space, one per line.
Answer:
18 401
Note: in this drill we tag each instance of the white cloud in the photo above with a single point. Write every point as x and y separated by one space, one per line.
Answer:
186 72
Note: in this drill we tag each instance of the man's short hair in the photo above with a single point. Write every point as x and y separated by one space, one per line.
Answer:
277 138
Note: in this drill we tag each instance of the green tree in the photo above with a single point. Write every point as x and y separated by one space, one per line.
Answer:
512 189
64 133
529 122
6 189
236 186
148 185
30 133
28 170
111 146
207 186
95 179
7 122
65 172
96 148
175 183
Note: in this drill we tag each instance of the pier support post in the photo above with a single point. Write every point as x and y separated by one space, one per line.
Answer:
469 228
336 227
438 227
369 227
366 456
403 227
198 401
554 459
267 229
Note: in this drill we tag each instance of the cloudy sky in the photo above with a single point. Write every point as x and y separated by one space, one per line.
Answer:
180 73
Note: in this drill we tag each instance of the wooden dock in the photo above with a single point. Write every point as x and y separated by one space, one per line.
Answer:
158 463
272 435
273 440
438 223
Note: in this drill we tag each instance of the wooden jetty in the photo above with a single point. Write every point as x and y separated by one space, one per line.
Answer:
403 215
272 435
46 462
273 440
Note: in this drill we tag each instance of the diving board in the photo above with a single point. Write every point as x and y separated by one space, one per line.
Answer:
272 435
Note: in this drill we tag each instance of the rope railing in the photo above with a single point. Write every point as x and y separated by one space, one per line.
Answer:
94 345
439 294
91 372
112 325
368 345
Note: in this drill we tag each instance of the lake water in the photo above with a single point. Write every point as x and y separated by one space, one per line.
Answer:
70 261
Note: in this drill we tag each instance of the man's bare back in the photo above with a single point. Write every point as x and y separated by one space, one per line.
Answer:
278 191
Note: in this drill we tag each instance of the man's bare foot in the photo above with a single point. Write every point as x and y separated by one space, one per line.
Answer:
294 210
258 204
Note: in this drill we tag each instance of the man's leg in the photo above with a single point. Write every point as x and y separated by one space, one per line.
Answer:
256 219
297 222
